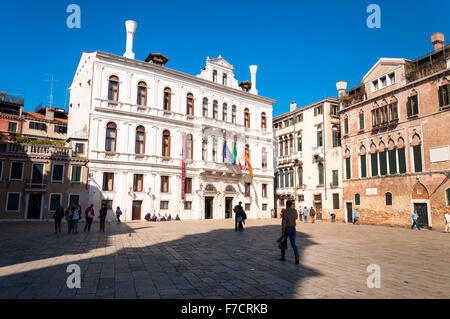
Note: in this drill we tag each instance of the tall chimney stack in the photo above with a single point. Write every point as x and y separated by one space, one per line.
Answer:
341 87
438 40
131 29
253 69
293 106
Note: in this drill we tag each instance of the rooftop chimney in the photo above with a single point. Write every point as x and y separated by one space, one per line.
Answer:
131 29
438 40
341 87
253 69
293 106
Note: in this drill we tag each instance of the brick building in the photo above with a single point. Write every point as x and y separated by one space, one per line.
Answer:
396 140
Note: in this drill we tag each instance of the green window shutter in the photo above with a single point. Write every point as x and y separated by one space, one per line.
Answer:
300 176
417 159
361 121
374 163
335 177
286 178
401 160
392 162
408 107
320 175
357 200
448 196
291 177
441 96
383 163
416 105
363 166
348 168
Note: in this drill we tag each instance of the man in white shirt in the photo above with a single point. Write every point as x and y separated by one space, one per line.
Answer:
447 222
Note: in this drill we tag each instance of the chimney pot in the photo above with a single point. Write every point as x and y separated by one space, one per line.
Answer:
293 106
253 69
131 30
438 40
341 87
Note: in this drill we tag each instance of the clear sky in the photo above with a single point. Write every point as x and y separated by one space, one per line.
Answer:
301 47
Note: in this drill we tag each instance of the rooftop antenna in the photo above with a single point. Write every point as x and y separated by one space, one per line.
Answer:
51 87
65 99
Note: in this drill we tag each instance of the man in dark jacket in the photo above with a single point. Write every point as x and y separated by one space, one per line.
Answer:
238 217
59 214
103 213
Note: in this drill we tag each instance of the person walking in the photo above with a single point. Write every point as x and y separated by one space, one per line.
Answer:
356 217
288 230
238 216
312 213
89 213
102 216
305 214
447 222
76 212
414 218
69 218
300 214
118 213
58 215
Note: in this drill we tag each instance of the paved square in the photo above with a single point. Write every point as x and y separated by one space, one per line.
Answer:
208 259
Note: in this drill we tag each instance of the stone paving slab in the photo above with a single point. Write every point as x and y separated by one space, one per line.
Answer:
208 259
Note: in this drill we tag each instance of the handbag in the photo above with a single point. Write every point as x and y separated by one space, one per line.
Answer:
282 243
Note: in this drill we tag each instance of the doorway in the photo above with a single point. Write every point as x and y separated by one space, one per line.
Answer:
422 211
349 212
137 204
34 206
209 207
228 207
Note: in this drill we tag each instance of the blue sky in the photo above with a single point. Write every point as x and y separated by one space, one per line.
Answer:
301 47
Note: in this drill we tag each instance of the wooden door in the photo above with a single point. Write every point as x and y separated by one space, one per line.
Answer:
137 204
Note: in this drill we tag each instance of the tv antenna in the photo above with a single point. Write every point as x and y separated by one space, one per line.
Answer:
51 87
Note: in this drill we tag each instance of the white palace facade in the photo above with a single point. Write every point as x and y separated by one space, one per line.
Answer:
132 115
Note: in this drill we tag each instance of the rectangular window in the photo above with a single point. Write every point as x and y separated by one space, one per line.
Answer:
401 160
264 207
138 183
318 110
363 166
335 178
335 201
417 153
321 175
393 113
348 169
12 127
448 196
38 126
374 162
383 163
392 78
55 201
60 129
247 189
76 174
301 198
108 182
264 190
412 106
383 81
58 173
188 185
187 205
444 95
247 207
164 184
300 176
346 125
107 203
16 173
319 139
361 121
164 205
37 174
299 144
79 148
392 162
13 202
375 85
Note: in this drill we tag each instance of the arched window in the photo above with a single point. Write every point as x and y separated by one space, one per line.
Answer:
448 196
392 157
167 99
401 156
286 146
280 143
291 177
189 146
363 162
264 158
282 179
300 176
321 180
417 153
291 144
224 79
214 149
215 110
111 137
113 88
388 199
166 144
224 112
233 114
140 140
205 150
263 121
190 104
247 118
286 178
382 155
214 74
374 159
142 94
205 107
348 166
357 200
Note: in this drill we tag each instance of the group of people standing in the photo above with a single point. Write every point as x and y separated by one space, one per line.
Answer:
74 214
305 212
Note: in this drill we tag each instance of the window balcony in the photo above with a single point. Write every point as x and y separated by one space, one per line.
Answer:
31 150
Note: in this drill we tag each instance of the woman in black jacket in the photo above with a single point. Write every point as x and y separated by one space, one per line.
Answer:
59 214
